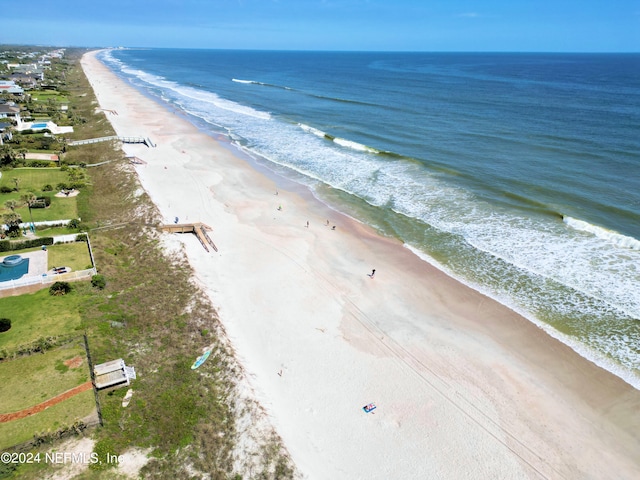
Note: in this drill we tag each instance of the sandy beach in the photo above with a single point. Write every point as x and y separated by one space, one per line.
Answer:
464 387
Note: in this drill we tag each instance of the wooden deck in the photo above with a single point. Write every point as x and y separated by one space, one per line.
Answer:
199 229
146 141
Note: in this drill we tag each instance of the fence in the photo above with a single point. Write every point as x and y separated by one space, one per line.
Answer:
47 279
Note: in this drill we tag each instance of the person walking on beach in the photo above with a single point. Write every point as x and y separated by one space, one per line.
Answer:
307 223
373 272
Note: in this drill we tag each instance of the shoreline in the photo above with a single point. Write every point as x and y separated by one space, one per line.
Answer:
465 387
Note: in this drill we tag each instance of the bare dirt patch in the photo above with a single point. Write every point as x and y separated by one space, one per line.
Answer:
73 362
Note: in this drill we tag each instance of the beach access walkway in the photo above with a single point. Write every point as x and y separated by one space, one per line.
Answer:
199 229
146 141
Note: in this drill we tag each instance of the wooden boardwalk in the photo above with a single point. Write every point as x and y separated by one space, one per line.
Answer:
199 229
146 141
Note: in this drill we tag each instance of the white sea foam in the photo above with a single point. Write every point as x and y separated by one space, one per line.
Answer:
354 145
615 238
237 80
315 131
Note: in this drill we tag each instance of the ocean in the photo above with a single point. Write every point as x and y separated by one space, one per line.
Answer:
516 173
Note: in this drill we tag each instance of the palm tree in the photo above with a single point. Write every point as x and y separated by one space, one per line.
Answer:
7 155
16 180
11 205
30 199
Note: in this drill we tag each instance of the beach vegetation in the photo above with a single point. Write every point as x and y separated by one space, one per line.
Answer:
99 281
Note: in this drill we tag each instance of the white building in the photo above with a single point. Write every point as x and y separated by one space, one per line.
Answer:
9 86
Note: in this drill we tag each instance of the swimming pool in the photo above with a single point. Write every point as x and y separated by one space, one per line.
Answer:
13 267
38 125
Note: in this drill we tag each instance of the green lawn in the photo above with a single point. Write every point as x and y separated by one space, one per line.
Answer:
54 231
34 180
74 255
44 95
38 315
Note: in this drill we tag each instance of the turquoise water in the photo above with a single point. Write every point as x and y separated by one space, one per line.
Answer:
518 174
13 272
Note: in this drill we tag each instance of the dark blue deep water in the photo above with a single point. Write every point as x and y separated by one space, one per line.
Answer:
518 174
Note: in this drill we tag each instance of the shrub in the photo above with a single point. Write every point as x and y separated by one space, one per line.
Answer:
98 281
5 324
6 189
103 448
7 246
60 288
42 202
73 224
47 188
38 163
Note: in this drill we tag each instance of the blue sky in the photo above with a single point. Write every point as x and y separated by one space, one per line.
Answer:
414 25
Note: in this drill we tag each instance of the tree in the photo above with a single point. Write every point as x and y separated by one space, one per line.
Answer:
16 180
7 155
11 205
29 199
13 221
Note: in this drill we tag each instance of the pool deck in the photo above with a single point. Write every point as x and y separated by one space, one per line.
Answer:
38 262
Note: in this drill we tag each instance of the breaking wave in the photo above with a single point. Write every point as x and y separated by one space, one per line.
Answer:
610 236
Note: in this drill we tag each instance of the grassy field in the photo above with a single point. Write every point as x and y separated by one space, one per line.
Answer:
34 180
28 381
74 255
54 231
38 315
31 380
44 95
48 421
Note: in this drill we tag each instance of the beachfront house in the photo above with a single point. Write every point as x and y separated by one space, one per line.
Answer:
9 86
